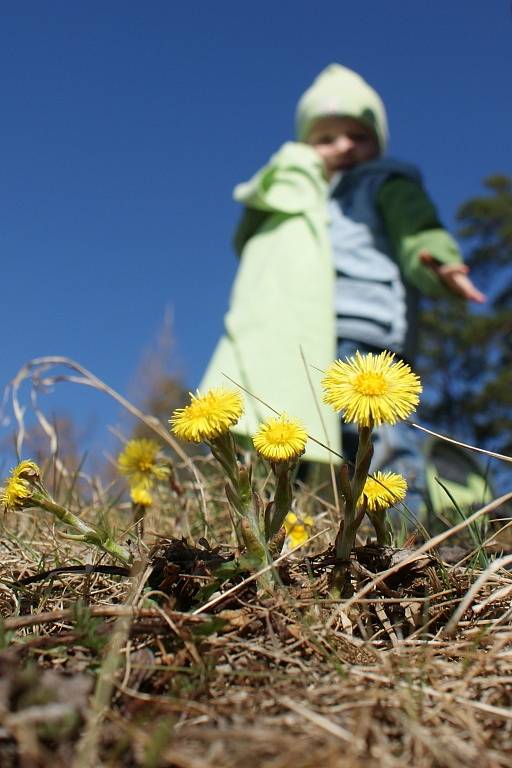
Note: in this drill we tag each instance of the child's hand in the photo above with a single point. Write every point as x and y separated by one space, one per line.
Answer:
455 277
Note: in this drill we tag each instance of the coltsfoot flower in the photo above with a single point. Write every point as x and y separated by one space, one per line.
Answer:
372 389
15 493
140 495
280 439
138 461
27 469
383 490
208 416
18 489
297 528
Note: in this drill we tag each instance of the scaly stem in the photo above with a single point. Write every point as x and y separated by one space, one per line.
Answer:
223 448
282 496
382 527
347 532
90 534
248 522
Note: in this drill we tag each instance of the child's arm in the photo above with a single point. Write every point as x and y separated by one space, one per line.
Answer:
291 183
428 255
455 277
249 223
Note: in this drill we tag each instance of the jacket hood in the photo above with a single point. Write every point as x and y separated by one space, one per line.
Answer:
339 91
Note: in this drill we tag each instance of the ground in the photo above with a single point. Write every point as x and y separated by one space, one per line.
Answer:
168 666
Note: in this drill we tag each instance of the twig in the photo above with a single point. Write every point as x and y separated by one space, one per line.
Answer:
322 722
109 570
459 443
68 614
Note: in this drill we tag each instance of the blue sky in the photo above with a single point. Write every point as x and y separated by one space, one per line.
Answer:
125 126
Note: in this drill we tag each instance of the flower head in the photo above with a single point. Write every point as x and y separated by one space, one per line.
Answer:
27 469
280 439
297 528
140 495
18 489
383 490
208 416
372 389
138 462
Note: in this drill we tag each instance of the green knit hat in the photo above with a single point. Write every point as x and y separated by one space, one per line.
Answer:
339 91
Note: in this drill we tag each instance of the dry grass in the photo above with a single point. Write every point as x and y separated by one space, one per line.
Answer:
101 667
110 669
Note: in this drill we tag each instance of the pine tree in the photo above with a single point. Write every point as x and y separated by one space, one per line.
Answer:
466 352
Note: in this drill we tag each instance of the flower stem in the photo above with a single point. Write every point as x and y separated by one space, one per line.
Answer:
382 527
349 526
91 535
223 448
282 497
248 521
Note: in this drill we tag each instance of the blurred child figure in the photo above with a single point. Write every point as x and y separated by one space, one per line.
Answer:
336 243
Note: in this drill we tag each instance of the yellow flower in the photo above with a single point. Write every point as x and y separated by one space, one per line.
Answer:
372 389
27 468
18 489
15 493
296 528
208 416
140 495
138 461
280 439
383 490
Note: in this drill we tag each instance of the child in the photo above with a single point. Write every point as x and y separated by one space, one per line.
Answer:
336 243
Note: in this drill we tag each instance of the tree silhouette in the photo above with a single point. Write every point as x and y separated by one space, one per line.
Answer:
466 352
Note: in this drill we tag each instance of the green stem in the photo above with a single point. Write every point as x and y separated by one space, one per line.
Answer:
63 514
258 554
248 523
349 526
282 497
90 534
223 448
363 460
382 528
116 550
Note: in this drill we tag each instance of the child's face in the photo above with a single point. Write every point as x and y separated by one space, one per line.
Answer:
342 143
